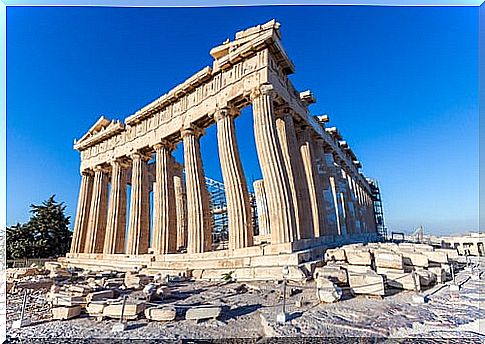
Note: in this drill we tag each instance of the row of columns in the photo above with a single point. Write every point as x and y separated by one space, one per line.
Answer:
320 195
295 191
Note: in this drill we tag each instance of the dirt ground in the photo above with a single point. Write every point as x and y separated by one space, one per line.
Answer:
249 311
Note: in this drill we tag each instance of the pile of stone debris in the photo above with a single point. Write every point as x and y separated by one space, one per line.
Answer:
107 294
374 268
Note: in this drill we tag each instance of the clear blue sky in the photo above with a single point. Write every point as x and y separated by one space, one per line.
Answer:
401 84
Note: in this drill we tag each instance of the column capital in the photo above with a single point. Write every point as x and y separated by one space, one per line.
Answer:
120 161
100 168
139 155
264 89
87 172
226 111
191 130
164 144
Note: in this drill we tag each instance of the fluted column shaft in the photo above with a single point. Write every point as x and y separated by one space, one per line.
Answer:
114 241
296 174
337 200
181 209
98 212
82 213
262 207
165 231
198 223
236 190
139 226
277 185
316 200
349 207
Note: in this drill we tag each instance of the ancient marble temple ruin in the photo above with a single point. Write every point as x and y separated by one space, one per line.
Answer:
312 194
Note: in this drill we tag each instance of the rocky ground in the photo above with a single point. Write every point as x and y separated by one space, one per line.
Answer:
249 311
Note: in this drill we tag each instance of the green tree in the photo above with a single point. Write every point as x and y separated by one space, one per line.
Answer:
45 235
19 242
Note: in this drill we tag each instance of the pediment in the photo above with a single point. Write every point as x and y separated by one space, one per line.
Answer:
100 130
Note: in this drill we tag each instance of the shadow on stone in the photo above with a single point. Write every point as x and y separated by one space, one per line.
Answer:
228 313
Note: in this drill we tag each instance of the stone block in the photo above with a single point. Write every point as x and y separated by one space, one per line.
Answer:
336 274
203 312
79 290
436 257
131 312
452 253
160 313
426 277
132 281
100 295
369 283
58 299
357 256
388 259
440 274
400 279
356 268
64 313
95 308
414 259
336 254
327 291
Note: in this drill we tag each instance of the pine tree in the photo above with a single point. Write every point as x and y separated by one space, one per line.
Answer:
19 242
49 226
45 235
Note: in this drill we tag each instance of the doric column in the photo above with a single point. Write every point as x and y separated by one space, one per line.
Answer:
323 169
349 206
356 205
312 181
164 231
98 212
296 174
139 226
82 213
114 241
262 207
198 222
181 208
277 185
236 190
337 201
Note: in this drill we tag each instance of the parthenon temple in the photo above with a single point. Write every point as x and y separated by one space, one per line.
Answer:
312 194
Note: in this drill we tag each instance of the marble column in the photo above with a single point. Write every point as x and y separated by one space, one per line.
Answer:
338 200
82 213
262 207
296 174
139 226
237 197
199 229
349 207
98 212
355 202
277 185
323 169
165 230
114 241
181 209
308 155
